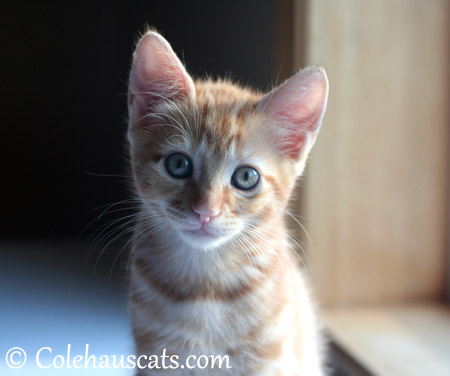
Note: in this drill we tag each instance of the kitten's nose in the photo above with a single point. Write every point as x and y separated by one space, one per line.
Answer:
205 210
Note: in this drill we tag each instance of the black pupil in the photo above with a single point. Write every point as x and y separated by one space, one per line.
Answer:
179 166
245 178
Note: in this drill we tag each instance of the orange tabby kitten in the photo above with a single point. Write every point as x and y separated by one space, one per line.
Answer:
214 164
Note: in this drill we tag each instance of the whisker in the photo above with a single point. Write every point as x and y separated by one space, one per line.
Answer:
109 231
301 226
144 232
261 232
115 238
104 228
107 175
164 98
98 218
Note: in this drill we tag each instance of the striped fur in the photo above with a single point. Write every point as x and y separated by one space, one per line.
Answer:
238 292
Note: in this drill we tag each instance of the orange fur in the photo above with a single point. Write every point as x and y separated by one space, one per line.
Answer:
237 290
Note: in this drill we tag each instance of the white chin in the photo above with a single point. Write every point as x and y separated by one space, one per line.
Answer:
202 241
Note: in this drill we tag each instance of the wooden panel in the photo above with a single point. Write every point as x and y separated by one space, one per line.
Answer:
395 341
290 33
284 34
377 182
289 50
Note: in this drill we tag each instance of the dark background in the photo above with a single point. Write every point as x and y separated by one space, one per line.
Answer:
64 78
64 71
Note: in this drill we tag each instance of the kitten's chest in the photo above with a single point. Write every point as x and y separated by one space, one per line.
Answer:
216 323
205 318
202 303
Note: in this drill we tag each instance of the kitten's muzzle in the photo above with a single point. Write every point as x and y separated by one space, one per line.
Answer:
205 211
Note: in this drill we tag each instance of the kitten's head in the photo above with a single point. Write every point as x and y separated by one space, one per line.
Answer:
212 161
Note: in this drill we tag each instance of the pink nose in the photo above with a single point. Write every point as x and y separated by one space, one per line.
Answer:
205 211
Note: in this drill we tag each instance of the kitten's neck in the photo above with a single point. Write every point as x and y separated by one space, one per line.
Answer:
172 261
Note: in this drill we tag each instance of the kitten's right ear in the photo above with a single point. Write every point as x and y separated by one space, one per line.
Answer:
296 108
157 75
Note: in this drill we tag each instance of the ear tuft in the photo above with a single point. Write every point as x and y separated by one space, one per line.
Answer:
157 75
297 107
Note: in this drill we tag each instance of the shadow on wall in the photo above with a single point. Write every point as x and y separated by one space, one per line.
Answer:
64 98
64 95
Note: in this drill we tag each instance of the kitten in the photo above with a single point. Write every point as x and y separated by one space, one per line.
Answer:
214 164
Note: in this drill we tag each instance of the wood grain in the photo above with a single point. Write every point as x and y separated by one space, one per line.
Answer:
289 47
377 183
394 341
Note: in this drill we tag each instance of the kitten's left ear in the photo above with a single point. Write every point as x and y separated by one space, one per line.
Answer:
157 75
297 107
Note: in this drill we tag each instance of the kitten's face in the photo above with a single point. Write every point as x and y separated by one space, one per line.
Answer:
210 161
206 169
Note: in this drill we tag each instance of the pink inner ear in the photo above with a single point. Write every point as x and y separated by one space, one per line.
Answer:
157 74
297 107
292 145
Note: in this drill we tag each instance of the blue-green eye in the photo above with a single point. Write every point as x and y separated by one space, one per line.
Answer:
179 166
245 178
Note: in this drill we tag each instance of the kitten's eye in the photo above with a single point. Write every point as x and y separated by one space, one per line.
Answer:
245 178
179 166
